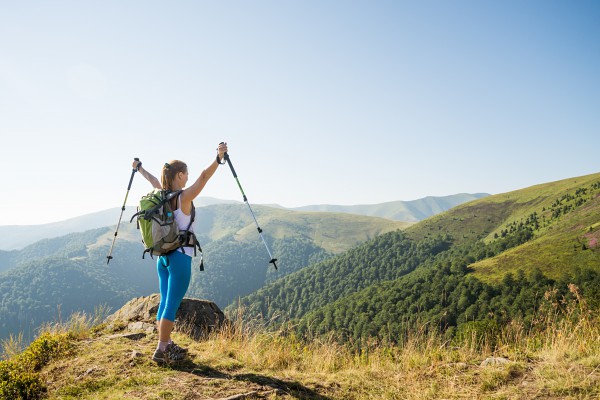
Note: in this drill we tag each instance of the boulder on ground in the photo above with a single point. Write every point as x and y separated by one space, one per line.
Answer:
194 317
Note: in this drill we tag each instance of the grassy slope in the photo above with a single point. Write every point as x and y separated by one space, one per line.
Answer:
553 251
558 246
555 247
335 232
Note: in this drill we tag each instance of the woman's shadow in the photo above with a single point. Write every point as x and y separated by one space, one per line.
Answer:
290 388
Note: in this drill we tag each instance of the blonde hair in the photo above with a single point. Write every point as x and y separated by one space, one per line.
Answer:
169 171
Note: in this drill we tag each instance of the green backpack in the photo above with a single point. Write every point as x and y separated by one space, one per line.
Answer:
156 222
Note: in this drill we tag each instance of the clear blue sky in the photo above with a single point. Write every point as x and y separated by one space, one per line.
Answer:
336 102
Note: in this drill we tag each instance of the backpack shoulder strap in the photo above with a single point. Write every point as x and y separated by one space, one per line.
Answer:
169 195
192 215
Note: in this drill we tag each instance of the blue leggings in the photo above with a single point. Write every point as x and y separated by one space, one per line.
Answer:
174 273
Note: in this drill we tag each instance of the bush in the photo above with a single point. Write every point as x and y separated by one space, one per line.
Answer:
19 378
16 383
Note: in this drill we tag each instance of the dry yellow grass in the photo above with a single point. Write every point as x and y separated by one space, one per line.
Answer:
558 358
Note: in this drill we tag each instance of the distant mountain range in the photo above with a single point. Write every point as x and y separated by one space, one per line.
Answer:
408 211
19 236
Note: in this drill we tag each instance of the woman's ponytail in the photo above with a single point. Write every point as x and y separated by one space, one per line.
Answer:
169 171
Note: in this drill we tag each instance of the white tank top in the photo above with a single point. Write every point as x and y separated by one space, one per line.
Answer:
182 220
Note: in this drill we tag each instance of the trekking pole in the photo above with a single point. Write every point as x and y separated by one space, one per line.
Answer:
273 260
109 256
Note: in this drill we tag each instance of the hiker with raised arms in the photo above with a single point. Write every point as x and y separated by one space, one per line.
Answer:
175 268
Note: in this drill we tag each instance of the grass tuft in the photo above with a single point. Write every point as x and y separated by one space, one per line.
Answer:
12 346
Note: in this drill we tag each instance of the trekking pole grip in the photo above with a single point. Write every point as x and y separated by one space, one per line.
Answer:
131 179
226 158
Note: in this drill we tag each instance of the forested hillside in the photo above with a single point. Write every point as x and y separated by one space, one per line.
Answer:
432 272
71 278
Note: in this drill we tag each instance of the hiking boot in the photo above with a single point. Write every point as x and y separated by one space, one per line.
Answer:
160 356
168 355
176 348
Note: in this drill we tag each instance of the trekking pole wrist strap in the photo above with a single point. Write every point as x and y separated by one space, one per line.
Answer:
219 160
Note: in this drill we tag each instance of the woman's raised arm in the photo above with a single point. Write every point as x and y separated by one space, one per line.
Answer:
149 177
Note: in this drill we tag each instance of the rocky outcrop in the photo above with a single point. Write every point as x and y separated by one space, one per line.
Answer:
195 317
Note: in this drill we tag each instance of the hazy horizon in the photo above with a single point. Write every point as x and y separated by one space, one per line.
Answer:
200 202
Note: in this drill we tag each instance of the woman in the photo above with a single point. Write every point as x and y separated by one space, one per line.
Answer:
175 269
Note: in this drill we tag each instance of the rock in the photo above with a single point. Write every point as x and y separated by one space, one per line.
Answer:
195 317
139 309
136 354
134 336
130 336
494 361
140 326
